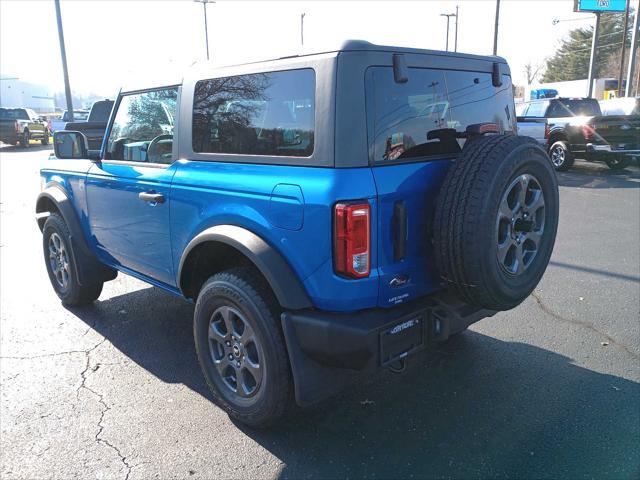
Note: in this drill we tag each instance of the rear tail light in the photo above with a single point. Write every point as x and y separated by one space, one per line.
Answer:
588 131
352 239
16 126
547 131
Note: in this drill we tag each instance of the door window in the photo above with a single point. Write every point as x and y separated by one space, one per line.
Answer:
143 127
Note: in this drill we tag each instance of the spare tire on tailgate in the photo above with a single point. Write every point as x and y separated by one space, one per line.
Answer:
496 220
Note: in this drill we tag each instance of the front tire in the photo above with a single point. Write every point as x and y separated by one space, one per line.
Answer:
561 156
240 347
60 263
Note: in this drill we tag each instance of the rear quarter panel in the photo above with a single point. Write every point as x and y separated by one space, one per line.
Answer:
205 194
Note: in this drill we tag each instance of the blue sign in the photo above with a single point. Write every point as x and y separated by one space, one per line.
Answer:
600 5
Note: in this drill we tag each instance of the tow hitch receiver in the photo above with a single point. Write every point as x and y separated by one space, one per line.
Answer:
402 339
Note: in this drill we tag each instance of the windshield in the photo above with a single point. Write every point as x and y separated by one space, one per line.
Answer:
434 112
13 114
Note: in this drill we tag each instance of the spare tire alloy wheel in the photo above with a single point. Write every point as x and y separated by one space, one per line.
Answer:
235 351
520 224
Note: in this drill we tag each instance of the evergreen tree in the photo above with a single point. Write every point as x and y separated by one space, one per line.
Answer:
571 60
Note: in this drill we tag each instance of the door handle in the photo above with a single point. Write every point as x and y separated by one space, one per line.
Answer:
151 197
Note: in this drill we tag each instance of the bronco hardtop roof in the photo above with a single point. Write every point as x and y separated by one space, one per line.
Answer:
346 46
364 46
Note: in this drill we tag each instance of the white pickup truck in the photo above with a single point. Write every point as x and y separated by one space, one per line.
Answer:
536 128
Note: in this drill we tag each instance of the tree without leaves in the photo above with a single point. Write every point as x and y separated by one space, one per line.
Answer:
531 71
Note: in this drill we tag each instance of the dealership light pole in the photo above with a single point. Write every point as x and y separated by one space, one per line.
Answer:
455 41
594 48
206 30
632 53
495 30
302 28
448 15
65 72
623 48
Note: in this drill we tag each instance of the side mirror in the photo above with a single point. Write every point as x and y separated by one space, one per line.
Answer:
68 144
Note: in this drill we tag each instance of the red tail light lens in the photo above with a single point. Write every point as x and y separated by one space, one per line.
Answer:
352 239
588 131
17 126
547 130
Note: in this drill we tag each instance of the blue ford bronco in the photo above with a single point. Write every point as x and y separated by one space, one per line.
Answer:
329 214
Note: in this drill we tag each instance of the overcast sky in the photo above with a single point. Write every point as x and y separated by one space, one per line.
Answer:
114 42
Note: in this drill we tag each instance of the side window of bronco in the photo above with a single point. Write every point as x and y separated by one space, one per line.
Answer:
142 130
434 112
258 114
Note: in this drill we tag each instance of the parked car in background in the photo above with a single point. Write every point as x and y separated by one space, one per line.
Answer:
621 106
95 124
330 215
60 122
19 125
576 128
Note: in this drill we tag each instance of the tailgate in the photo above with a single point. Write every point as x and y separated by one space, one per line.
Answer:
617 129
416 129
406 197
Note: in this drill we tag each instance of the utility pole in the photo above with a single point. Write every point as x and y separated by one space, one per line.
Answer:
594 47
455 42
302 28
447 15
495 30
206 29
65 71
624 46
632 53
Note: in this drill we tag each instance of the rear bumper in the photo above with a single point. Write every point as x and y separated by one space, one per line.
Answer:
327 350
605 150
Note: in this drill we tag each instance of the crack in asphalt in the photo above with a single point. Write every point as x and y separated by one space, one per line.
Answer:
582 323
43 355
104 410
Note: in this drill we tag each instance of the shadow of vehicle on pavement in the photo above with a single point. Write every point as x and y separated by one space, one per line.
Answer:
598 175
33 147
473 407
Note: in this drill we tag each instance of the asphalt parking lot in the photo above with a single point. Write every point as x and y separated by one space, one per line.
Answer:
548 390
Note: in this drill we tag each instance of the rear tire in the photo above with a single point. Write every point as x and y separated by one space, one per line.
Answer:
561 156
45 139
24 141
61 267
617 162
241 348
496 220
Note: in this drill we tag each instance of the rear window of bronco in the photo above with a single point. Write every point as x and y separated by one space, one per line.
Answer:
257 114
432 114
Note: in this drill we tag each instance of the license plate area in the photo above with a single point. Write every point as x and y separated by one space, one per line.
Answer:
402 338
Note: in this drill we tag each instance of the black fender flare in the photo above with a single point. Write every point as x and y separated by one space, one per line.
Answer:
88 268
284 282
